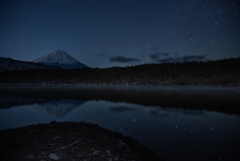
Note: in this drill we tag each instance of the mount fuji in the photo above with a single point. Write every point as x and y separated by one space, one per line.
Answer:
61 59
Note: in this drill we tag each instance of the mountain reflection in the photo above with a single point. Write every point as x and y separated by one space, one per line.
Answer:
64 99
58 108
120 109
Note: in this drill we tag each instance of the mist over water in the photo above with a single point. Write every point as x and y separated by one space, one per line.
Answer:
178 123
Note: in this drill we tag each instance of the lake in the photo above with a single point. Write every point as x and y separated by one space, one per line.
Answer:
177 122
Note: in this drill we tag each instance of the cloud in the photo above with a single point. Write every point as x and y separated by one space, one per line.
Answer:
156 56
187 58
166 60
192 57
165 57
121 59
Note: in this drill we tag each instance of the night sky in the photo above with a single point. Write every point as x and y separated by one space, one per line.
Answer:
106 33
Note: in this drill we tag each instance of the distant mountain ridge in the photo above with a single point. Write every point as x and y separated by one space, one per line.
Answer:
8 64
60 58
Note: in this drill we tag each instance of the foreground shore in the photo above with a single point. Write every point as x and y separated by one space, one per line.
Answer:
70 141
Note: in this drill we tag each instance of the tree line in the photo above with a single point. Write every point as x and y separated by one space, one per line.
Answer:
219 72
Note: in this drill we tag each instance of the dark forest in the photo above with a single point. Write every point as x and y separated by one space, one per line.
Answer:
224 72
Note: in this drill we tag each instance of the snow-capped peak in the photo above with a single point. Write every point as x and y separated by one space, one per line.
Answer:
60 58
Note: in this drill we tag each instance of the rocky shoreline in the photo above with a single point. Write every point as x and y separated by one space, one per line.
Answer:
70 141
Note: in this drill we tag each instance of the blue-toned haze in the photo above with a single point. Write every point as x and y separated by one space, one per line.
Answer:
106 33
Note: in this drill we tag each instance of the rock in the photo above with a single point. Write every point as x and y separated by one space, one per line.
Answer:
122 143
56 137
29 157
95 152
53 156
96 146
79 155
238 89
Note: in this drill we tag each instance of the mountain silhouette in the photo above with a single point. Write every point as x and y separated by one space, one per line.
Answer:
61 59
8 64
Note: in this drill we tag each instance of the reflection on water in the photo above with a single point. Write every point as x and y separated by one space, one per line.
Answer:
151 115
219 99
58 108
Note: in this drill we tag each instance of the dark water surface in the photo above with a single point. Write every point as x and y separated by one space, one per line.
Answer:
177 122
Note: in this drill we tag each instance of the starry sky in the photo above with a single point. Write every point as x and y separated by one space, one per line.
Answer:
107 33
